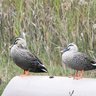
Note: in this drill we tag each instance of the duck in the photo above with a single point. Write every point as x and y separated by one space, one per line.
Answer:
77 60
25 59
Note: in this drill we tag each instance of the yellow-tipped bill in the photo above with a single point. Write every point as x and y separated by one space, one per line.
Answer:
11 45
61 51
66 49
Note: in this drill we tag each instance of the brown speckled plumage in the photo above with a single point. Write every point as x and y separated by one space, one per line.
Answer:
26 59
77 60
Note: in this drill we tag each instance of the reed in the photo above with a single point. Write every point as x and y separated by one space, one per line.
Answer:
48 26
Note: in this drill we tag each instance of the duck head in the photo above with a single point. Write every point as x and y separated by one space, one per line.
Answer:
70 47
19 40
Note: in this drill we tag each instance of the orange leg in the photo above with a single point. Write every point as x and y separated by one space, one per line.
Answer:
76 75
24 73
80 75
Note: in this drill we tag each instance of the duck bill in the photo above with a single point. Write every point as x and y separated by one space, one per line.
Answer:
66 49
11 45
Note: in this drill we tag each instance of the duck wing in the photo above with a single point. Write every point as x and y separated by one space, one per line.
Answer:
84 61
31 58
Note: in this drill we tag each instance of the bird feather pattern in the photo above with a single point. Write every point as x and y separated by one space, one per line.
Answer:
25 59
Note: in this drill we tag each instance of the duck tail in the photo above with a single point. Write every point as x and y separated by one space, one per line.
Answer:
43 69
94 64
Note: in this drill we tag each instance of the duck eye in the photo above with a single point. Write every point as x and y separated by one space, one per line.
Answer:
16 42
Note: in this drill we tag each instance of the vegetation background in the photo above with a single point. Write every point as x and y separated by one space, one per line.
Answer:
48 26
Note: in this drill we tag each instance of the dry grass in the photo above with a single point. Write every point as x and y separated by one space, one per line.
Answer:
49 25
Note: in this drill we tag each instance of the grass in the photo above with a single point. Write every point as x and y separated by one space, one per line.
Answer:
48 25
